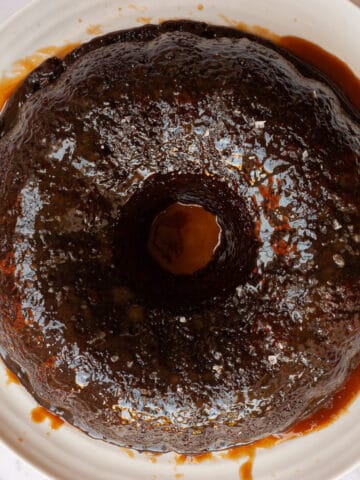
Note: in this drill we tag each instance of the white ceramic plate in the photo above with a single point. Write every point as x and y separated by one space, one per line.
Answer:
69 454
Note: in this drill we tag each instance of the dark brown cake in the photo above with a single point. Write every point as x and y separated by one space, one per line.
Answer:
108 159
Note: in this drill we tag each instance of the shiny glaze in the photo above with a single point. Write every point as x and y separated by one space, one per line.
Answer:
271 156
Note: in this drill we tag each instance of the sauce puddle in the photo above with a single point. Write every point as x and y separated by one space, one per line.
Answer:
315 422
40 414
11 378
21 69
336 70
340 73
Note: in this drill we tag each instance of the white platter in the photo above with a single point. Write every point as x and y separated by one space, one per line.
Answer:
68 454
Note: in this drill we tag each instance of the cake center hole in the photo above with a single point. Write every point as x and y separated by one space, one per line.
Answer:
183 238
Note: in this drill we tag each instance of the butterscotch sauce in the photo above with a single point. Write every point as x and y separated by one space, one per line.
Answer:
128 452
337 70
328 414
40 414
183 238
94 29
327 63
235 454
254 29
315 422
245 470
11 378
21 69
144 20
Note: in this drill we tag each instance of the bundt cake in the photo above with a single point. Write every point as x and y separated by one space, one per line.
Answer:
179 237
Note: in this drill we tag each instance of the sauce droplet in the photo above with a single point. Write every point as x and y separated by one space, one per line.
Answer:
183 238
94 30
11 378
39 414
128 452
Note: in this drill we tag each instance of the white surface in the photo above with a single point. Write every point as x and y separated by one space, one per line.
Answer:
316 457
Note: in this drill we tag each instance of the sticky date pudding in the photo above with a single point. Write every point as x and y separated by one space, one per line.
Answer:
179 237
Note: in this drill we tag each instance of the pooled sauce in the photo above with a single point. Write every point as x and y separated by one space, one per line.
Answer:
281 248
245 470
235 454
331 412
40 414
316 421
11 378
332 66
329 64
183 238
21 69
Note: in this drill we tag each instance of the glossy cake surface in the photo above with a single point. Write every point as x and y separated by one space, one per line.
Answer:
129 349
